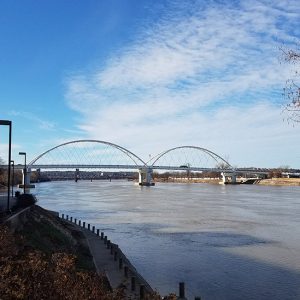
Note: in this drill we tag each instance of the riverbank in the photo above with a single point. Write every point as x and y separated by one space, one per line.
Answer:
43 250
280 181
43 258
271 182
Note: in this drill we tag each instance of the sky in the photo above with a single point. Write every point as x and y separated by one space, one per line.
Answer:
150 75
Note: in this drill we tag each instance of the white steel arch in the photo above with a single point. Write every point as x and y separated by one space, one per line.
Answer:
213 155
137 160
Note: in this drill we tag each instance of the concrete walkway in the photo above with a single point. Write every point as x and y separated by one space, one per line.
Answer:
108 263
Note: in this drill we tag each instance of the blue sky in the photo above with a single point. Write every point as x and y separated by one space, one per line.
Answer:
150 75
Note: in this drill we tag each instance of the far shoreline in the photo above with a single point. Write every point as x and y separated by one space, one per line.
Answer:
267 182
217 181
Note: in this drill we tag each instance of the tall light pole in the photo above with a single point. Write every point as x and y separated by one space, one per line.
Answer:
25 172
13 177
8 123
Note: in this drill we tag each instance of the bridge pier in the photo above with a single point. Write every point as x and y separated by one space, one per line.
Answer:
38 175
26 174
77 175
145 177
229 178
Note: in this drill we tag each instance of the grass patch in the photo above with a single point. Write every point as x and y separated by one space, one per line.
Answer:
40 234
45 237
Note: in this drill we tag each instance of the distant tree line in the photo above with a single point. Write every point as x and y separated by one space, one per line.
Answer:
16 176
273 173
185 174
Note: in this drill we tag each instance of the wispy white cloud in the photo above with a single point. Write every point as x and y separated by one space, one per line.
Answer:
42 124
206 74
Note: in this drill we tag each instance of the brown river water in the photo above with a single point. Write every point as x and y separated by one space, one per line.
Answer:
224 242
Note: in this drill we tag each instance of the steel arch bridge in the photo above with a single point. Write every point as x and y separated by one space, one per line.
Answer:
87 154
73 155
96 154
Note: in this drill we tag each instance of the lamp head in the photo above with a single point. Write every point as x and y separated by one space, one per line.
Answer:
5 122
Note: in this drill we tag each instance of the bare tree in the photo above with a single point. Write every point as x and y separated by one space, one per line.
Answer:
291 91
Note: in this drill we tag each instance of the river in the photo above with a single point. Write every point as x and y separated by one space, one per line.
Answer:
224 242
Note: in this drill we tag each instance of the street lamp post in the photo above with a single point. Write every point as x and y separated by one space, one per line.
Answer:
13 177
25 171
8 123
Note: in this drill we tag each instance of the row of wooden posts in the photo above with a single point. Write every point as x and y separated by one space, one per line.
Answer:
114 251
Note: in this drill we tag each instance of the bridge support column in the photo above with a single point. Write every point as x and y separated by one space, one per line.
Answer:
38 175
228 178
224 179
77 176
145 177
26 179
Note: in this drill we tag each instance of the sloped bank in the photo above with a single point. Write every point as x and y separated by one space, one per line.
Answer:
52 257
41 258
